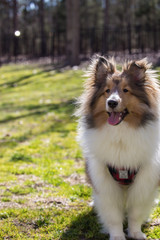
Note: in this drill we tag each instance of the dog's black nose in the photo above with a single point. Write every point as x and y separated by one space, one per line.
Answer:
112 103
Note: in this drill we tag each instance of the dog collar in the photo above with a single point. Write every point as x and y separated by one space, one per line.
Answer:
122 175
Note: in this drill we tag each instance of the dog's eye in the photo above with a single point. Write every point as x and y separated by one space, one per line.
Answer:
125 90
108 91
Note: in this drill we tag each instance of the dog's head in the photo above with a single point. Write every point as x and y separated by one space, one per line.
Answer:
114 96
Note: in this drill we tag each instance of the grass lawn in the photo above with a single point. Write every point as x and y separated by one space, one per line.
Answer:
43 192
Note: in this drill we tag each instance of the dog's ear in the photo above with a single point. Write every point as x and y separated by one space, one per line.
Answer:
103 68
136 70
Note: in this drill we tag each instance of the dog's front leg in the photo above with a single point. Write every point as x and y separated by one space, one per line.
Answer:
135 220
140 199
108 199
110 214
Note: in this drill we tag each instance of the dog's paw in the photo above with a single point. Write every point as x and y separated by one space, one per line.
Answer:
117 238
137 235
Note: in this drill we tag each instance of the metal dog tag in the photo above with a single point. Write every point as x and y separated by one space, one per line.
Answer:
123 174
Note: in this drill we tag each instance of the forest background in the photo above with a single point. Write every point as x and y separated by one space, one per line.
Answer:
69 31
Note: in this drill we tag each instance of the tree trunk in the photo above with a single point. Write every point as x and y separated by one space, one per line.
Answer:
73 31
42 28
105 46
15 27
106 13
128 6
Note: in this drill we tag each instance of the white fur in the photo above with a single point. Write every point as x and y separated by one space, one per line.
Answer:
122 146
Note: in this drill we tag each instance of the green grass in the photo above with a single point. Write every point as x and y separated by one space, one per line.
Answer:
42 189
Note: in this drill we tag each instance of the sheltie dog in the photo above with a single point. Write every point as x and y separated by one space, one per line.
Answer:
119 132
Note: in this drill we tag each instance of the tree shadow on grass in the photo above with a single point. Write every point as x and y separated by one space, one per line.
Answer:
63 107
15 82
85 227
59 124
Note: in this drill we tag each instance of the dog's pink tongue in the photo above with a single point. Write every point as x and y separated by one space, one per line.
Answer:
114 118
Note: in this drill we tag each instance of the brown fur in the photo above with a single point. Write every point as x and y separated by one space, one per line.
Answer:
140 100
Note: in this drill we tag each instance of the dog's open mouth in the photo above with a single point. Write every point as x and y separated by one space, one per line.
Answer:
116 117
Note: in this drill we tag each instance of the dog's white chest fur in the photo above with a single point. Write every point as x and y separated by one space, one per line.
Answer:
121 145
